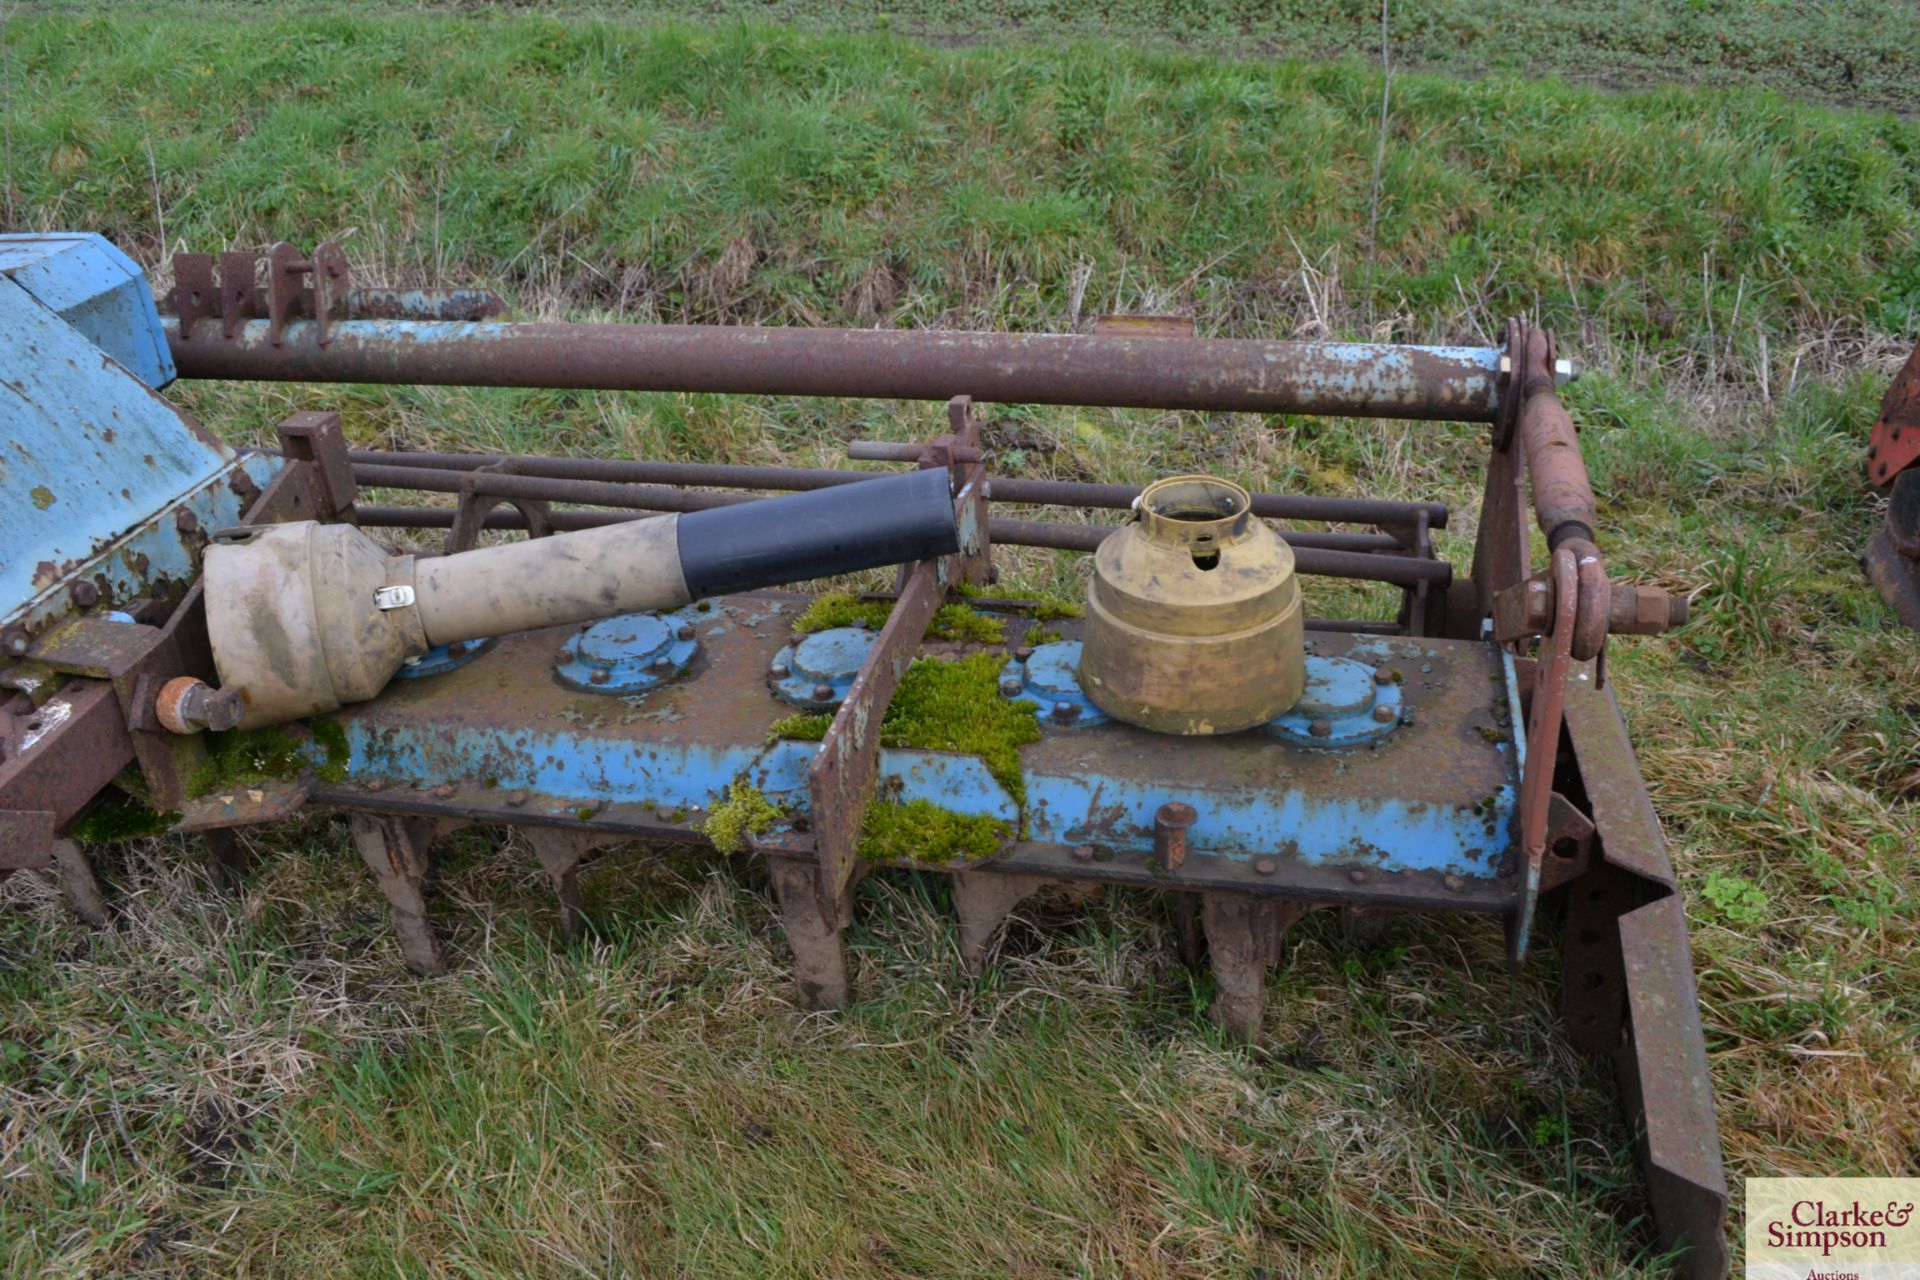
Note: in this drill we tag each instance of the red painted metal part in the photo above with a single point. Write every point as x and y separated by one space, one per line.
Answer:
1895 443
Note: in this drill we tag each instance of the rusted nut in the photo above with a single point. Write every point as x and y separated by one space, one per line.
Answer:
1265 866
684 631
458 649
663 663
1321 728
1643 611
1383 675
780 671
1525 609
1083 853
600 677
444 791
1454 883
823 693
1359 875
14 642
187 704
1023 652
1384 714
1010 687
1066 712
185 520
83 594
1170 823
515 799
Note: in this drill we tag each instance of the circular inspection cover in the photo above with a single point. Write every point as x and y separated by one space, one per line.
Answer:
1343 705
629 654
1050 676
817 672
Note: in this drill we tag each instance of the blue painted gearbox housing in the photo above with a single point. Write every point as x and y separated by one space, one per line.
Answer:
93 461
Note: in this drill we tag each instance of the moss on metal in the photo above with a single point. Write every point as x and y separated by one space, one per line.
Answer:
122 817
921 831
746 811
248 757
950 621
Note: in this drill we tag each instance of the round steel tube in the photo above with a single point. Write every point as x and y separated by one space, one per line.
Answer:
1219 374
1062 493
665 498
1401 570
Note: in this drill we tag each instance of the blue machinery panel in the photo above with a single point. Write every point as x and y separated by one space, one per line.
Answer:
93 462
1403 803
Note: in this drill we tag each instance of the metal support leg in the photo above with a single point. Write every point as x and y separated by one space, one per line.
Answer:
819 956
983 900
1243 938
395 850
560 852
78 884
227 859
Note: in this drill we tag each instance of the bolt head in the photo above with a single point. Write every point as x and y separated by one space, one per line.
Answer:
1010 687
1359 875
684 631
1321 728
1383 675
600 677
1266 866
1384 714
1023 652
1083 853
16 643
458 649
780 671
663 663
516 798
1066 711
84 594
823 693
1454 883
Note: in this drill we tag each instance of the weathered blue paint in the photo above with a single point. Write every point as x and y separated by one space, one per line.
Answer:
93 465
1051 677
98 290
828 660
1342 696
630 654
441 659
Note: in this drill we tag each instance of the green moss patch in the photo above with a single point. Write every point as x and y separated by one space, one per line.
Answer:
949 622
921 831
805 726
335 754
121 817
746 811
248 757
956 706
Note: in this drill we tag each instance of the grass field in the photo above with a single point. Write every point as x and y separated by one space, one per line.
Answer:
256 1087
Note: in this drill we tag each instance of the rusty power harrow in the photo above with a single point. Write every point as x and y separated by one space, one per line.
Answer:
1467 757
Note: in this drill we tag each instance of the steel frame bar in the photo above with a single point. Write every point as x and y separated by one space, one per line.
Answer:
1386 513
1458 384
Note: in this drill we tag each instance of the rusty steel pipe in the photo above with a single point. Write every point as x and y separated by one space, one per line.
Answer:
664 498
1359 566
1062 493
1221 374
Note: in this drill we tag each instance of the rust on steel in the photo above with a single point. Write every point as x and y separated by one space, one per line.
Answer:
1220 374
1062 493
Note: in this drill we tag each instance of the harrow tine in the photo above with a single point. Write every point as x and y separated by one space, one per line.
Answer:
77 883
1243 938
395 850
560 852
983 900
813 931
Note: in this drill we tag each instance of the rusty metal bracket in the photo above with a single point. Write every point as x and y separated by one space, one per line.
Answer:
1543 743
195 295
316 437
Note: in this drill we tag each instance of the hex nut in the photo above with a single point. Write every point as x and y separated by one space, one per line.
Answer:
1321 728
823 693
1384 714
1265 866
1010 687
